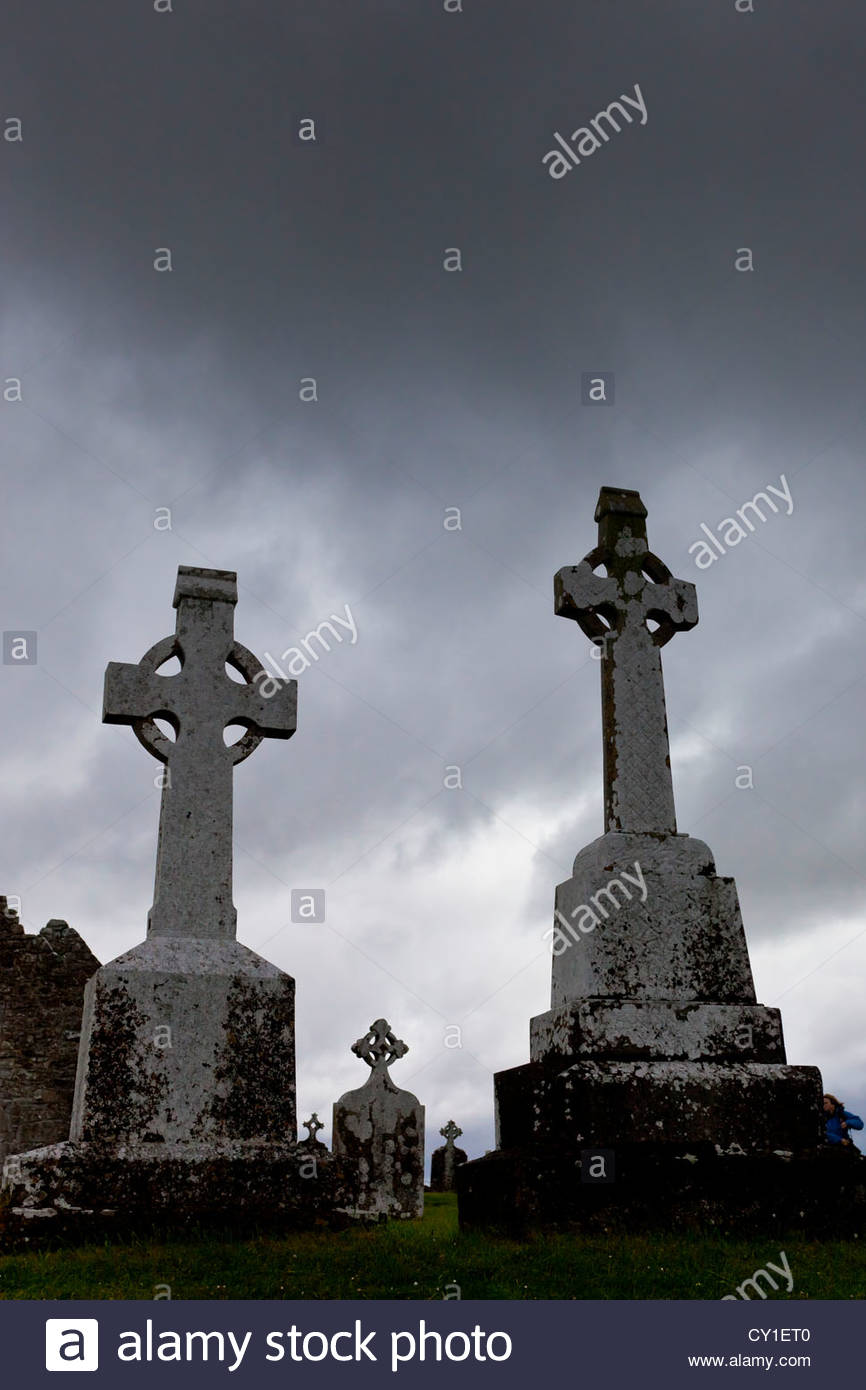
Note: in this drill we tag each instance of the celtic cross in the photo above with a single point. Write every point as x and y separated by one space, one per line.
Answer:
449 1133
379 1048
193 885
312 1126
615 611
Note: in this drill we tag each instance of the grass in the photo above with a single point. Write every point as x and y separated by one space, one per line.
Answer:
431 1259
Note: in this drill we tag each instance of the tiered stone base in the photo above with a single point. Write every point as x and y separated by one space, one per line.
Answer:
747 1107
75 1192
822 1195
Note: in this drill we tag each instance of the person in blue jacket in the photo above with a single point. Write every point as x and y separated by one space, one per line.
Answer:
838 1121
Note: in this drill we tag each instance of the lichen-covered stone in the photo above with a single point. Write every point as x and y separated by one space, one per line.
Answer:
656 1029
79 1191
379 1129
185 1089
655 1054
42 979
678 936
187 1040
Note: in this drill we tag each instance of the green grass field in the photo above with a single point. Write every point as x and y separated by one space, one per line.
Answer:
430 1259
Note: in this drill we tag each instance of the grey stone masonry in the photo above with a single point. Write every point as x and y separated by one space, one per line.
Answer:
190 1036
380 1129
185 1089
655 1050
42 979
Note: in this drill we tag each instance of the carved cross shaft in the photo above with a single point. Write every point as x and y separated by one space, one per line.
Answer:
193 887
614 612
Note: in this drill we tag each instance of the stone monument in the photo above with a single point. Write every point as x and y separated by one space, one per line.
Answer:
312 1126
185 1091
379 1129
42 979
445 1159
658 1089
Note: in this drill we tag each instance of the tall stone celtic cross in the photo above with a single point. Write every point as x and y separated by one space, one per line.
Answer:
449 1133
193 887
615 611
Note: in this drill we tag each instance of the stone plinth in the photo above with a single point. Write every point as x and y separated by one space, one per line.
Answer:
647 917
379 1130
79 1191
186 1040
820 1194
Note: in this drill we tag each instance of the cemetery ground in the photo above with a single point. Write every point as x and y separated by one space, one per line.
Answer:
431 1259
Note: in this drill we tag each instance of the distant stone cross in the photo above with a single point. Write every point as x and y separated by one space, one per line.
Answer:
614 612
312 1126
193 888
379 1047
449 1133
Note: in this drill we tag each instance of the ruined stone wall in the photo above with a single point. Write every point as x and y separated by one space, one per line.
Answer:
42 982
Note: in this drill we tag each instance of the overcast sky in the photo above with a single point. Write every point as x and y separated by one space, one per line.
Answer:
144 389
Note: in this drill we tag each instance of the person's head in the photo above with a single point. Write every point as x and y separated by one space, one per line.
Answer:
831 1105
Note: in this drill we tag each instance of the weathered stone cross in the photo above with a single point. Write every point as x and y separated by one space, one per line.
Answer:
193 888
379 1047
312 1126
614 612
449 1133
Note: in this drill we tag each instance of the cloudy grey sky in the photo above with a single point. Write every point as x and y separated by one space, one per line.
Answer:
144 389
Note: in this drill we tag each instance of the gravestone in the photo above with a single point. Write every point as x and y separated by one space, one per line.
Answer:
312 1126
445 1159
185 1090
42 979
658 1089
379 1129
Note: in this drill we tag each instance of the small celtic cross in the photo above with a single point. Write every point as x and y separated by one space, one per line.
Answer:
312 1126
450 1132
379 1047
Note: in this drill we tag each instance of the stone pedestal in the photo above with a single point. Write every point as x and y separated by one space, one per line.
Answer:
86 1191
184 1099
187 1040
656 1058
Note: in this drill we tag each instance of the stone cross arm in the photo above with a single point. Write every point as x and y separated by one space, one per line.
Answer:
192 891
595 601
201 698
